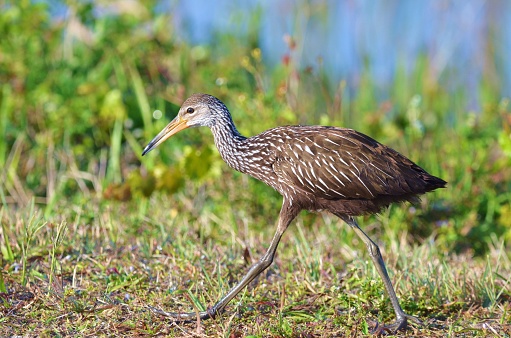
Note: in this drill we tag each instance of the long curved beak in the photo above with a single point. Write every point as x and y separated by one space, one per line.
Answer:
175 126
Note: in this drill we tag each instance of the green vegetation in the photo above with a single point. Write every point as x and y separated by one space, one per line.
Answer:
92 234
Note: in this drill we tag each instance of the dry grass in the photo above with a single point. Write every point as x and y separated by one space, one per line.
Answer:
118 258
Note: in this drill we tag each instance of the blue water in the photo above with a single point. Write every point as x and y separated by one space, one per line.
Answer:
461 38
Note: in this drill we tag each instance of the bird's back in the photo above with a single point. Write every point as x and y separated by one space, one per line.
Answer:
337 169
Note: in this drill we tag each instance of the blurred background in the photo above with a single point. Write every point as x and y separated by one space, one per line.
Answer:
84 85
347 38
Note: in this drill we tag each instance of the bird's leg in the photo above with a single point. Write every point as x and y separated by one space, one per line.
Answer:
287 214
401 317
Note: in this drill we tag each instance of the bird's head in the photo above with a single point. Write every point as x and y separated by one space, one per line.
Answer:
198 110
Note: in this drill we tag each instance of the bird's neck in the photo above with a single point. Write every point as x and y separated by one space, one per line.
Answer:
229 141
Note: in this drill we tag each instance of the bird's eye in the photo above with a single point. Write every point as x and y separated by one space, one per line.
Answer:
190 110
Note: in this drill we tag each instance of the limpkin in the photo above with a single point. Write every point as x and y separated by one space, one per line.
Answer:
314 168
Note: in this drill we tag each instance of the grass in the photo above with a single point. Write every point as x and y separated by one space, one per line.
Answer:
92 233
322 283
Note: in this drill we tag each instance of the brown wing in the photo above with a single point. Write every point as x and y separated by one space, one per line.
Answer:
335 163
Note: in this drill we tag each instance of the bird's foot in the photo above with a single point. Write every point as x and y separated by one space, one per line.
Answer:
186 317
400 324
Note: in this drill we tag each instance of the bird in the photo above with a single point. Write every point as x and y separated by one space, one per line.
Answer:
314 168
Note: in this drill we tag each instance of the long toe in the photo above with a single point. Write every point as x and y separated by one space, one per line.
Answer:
184 317
400 324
